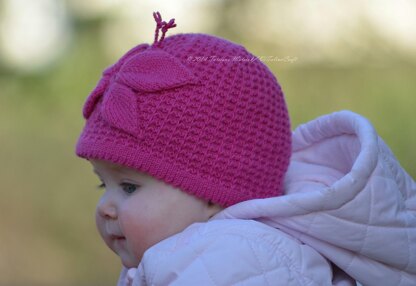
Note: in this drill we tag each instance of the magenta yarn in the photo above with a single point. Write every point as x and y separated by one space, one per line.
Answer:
196 111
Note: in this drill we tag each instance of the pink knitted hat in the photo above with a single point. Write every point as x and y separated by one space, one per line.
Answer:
196 111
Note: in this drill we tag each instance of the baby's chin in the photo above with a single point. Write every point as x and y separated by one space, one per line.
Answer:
128 260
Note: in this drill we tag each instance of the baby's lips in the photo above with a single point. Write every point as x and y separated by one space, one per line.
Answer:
117 236
154 70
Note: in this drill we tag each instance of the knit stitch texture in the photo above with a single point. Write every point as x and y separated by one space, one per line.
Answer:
196 111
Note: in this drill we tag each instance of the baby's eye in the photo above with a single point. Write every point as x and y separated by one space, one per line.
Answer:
129 188
101 186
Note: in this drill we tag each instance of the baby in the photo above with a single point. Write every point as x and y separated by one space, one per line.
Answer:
191 139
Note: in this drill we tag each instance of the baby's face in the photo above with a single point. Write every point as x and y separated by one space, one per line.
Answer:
137 211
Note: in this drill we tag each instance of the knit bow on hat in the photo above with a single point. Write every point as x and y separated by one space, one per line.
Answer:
150 71
144 69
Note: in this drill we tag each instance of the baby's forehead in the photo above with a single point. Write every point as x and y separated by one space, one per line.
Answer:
102 165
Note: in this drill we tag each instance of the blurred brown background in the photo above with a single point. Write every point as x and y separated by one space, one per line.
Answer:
327 55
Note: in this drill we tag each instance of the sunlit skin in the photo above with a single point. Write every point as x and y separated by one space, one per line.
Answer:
137 210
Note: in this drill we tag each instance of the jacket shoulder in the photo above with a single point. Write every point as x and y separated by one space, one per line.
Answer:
232 252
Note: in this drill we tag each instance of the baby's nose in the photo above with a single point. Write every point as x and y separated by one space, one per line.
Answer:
106 207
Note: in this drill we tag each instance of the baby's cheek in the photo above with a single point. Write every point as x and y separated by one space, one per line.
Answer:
129 221
143 228
132 218
138 233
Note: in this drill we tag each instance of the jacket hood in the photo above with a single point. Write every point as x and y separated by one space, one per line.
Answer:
346 196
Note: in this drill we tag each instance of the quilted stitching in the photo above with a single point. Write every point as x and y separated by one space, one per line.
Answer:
200 257
251 236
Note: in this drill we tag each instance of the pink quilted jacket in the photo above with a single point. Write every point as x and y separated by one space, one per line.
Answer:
349 214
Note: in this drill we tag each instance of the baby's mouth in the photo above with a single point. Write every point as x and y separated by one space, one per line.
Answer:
118 241
117 237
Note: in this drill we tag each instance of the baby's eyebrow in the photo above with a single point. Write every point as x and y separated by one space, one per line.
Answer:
118 170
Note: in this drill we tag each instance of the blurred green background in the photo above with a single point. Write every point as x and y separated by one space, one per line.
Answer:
328 56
